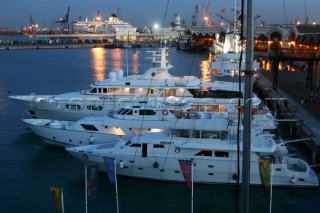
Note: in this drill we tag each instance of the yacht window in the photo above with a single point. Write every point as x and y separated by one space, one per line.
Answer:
73 106
128 143
93 107
221 154
93 90
151 91
204 153
214 134
120 111
89 127
195 134
135 145
131 91
127 112
181 133
127 83
105 90
158 146
147 112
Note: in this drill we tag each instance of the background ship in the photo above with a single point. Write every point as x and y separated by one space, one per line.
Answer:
114 26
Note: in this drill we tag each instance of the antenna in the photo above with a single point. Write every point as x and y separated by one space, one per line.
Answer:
285 12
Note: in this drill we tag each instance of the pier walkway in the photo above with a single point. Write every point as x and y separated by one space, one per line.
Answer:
304 102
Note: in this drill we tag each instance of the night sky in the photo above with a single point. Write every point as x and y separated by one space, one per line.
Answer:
14 14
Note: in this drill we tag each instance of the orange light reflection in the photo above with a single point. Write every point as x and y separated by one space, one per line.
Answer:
98 63
205 70
117 59
135 63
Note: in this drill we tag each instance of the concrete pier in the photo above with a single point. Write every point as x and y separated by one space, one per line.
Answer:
291 104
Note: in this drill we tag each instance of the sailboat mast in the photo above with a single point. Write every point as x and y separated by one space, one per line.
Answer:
247 110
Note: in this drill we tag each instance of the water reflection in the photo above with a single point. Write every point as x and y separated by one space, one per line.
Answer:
205 69
135 62
99 63
116 59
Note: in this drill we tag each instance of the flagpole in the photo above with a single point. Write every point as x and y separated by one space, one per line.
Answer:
191 186
62 202
115 178
86 190
271 186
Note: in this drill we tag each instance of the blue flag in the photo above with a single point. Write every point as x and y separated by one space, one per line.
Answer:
110 168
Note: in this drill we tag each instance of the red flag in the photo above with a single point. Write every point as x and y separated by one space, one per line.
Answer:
92 182
185 166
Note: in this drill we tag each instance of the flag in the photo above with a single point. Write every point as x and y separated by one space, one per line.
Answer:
264 168
110 168
147 94
223 10
57 198
92 182
185 166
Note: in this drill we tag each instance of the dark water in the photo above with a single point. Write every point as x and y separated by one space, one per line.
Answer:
28 167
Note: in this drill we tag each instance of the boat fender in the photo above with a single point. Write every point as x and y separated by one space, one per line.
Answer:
177 150
156 165
235 176
85 156
121 164
91 139
165 112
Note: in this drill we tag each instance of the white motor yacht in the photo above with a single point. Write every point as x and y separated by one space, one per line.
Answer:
212 154
226 56
142 116
109 95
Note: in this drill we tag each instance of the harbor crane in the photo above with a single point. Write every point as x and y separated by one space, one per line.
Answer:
98 18
64 21
32 28
236 22
119 15
194 16
207 17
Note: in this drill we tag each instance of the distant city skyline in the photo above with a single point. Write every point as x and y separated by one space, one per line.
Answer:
14 14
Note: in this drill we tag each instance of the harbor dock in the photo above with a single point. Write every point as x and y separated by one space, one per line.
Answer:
295 105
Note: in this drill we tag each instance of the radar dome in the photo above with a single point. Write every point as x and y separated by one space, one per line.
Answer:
119 73
112 76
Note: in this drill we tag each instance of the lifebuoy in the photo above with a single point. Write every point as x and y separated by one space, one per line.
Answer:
165 112
85 156
177 150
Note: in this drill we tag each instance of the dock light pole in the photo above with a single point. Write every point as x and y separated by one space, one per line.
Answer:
247 111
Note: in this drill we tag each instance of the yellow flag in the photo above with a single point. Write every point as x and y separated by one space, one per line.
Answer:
223 10
57 198
264 168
